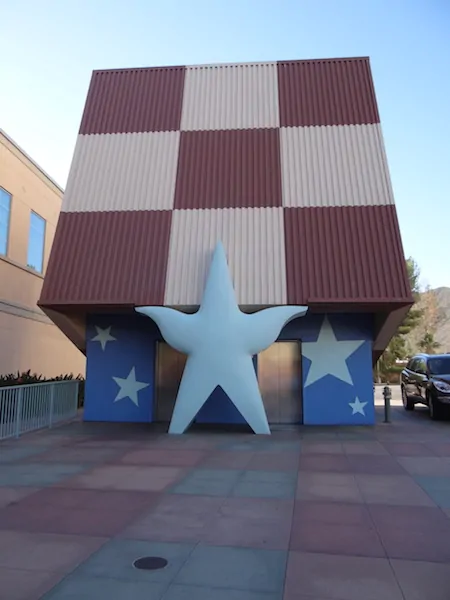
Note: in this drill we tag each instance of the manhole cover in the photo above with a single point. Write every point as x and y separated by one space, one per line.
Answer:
150 563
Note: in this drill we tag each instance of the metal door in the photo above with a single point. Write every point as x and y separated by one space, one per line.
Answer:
169 370
280 382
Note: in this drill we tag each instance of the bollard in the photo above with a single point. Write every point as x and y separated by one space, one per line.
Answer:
387 403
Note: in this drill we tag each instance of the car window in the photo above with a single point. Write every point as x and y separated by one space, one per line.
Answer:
421 366
439 366
413 364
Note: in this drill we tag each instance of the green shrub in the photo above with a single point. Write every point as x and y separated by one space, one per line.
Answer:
27 377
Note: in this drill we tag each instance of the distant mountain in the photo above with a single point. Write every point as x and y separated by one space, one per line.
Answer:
441 303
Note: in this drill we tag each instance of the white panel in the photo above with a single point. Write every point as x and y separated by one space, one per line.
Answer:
334 166
230 97
123 171
254 242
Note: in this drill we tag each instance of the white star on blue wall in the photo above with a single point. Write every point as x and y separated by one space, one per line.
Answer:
129 387
328 355
358 407
103 336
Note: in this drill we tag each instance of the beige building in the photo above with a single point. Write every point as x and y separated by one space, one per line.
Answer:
30 202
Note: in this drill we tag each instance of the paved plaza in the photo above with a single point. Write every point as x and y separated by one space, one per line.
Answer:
305 514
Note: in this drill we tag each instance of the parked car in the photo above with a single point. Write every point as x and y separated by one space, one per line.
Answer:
426 380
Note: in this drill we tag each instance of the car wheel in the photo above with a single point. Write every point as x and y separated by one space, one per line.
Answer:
435 409
408 404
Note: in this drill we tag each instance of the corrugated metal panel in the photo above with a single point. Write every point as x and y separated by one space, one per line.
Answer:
254 242
348 254
108 258
134 100
334 166
127 171
326 92
229 169
230 97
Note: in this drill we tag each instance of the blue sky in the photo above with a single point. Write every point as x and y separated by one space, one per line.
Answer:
50 47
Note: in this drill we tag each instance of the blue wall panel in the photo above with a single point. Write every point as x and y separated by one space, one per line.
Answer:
326 400
134 347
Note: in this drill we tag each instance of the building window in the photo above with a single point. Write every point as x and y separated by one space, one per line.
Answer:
5 210
36 243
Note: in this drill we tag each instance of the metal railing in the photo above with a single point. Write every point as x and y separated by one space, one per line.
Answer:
25 408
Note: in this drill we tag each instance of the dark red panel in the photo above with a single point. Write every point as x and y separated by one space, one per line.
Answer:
108 258
134 100
344 254
326 92
229 169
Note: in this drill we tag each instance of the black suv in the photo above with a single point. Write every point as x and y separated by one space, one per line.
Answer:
426 380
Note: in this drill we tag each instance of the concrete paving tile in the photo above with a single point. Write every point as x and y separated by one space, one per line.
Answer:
439 448
203 487
176 518
324 463
127 477
13 453
411 518
257 508
350 540
422 580
234 568
9 495
313 447
392 489
248 533
173 458
93 588
425 465
370 447
340 577
37 474
264 489
408 449
45 552
114 500
374 465
188 592
73 454
332 513
215 474
19 584
227 460
260 476
433 482
328 487
413 544
275 461
115 560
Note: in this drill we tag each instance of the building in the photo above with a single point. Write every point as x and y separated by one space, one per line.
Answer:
285 164
30 202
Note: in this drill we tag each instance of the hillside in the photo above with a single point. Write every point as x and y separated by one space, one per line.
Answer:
440 302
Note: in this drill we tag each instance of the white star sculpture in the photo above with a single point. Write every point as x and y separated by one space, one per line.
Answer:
129 387
220 342
358 407
103 336
328 356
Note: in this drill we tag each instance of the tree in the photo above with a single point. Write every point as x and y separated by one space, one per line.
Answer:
414 315
428 344
398 348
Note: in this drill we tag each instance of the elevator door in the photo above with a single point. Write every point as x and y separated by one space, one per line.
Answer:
169 370
280 382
